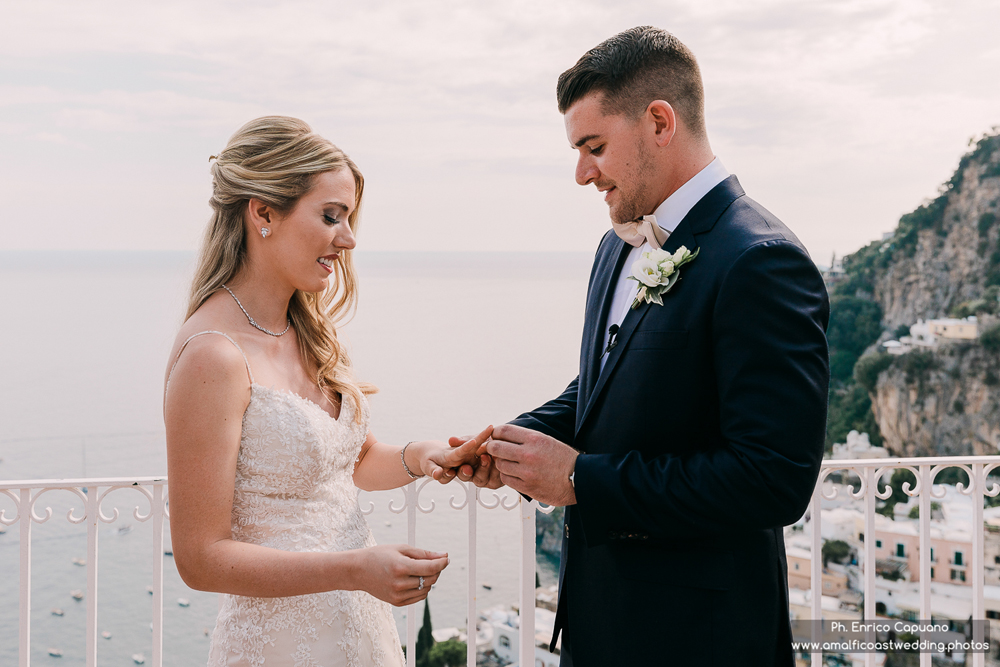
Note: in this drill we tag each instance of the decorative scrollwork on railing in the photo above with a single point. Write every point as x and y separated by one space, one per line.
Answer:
990 490
418 487
401 508
544 509
960 487
834 492
70 516
3 513
470 495
904 487
498 501
135 512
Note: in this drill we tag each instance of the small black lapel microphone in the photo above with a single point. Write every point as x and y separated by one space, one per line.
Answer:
613 332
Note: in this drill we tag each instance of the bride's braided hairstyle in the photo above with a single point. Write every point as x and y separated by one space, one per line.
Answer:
274 159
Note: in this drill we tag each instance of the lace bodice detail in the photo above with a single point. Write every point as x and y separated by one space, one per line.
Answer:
294 474
295 491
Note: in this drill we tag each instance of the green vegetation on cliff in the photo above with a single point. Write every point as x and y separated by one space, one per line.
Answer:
856 319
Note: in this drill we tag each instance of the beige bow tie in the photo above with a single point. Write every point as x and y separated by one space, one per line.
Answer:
641 231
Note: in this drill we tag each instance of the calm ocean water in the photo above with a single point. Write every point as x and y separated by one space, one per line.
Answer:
453 341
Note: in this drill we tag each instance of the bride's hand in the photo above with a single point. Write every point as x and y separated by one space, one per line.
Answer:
482 471
441 461
400 574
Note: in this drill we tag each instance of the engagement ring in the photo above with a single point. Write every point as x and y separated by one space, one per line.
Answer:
421 586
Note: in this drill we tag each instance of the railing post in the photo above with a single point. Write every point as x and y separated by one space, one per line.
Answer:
816 572
470 648
93 523
526 644
157 512
869 593
978 482
24 639
925 551
410 492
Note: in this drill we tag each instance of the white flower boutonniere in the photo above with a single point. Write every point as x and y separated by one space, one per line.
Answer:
656 272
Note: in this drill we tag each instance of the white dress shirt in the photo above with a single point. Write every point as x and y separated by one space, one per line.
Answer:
668 215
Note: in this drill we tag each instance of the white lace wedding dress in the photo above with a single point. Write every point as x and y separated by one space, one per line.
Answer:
295 492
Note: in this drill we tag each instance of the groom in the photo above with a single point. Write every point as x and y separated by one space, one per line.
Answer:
695 428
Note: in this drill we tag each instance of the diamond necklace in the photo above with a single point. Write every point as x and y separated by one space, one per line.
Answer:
252 321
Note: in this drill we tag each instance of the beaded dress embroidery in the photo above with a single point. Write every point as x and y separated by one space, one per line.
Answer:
295 492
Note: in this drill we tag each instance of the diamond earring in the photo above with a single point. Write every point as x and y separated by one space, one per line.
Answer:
264 231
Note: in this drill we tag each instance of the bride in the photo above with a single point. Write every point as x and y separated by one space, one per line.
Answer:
267 430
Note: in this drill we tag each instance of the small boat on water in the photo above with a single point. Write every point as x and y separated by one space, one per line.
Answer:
106 634
183 602
57 612
138 658
168 552
55 653
149 589
79 561
77 594
124 530
488 587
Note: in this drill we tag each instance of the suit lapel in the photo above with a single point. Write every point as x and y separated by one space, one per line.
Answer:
682 236
597 311
699 220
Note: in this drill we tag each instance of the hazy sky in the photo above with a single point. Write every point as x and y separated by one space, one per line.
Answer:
838 115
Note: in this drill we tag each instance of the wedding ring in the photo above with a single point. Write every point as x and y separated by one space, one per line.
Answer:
421 586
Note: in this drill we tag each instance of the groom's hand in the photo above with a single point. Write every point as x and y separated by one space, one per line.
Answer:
443 463
481 471
534 464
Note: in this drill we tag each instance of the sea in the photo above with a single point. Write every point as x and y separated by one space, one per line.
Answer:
454 341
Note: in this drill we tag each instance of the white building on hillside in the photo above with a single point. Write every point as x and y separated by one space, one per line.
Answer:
858 446
927 334
965 329
505 624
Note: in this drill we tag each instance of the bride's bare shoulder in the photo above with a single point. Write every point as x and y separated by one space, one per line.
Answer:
204 345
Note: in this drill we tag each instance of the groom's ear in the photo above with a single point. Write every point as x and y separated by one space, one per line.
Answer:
663 120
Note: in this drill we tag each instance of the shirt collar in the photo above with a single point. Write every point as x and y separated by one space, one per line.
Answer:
670 213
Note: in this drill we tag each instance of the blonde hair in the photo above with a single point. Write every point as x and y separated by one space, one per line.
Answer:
274 159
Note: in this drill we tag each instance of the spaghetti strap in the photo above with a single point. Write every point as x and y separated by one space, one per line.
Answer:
202 333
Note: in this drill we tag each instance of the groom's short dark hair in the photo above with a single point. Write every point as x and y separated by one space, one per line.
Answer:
632 69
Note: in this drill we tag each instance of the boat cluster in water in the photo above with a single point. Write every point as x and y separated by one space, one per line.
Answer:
78 595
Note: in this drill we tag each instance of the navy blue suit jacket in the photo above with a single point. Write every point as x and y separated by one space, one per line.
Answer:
700 438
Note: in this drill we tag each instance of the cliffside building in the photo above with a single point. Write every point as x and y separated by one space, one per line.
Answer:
858 446
799 573
964 329
926 334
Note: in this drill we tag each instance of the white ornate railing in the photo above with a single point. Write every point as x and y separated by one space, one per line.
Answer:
92 493
873 475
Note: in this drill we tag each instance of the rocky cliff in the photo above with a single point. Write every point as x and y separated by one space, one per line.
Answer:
944 402
942 260
943 254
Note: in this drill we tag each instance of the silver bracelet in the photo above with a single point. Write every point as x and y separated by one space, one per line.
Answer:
402 457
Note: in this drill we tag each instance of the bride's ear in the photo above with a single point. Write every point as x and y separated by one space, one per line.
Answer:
259 216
